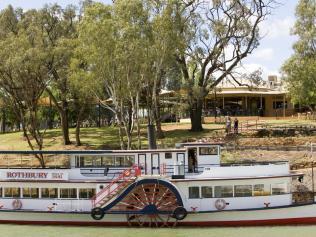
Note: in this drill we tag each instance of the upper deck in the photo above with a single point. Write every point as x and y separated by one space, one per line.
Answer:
187 161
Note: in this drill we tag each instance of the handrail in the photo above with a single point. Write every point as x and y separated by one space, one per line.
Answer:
231 164
121 180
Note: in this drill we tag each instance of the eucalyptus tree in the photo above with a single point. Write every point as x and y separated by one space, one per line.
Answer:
129 47
23 77
219 34
300 69
58 31
81 90
111 50
161 45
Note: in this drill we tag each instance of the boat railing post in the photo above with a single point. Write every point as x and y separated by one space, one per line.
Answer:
313 188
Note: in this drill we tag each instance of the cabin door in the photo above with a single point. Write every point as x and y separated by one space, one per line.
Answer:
181 163
192 160
155 164
142 163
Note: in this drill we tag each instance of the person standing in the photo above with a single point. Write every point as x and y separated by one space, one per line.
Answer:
228 125
236 126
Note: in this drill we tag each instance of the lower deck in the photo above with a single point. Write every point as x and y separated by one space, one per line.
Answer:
196 195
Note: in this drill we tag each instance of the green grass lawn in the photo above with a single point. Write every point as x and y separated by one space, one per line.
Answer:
107 137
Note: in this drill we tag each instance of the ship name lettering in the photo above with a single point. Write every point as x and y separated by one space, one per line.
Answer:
27 175
57 175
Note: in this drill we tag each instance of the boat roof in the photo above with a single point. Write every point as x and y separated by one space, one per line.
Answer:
86 152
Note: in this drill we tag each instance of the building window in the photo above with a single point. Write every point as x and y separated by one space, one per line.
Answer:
261 190
207 192
194 192
49 192
86 193
30 192
210 150
279 189
223 191
12 192
243 190
68 193
168 155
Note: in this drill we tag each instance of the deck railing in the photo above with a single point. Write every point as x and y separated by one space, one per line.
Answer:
116 185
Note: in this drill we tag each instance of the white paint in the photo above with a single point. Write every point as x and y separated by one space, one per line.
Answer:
245 171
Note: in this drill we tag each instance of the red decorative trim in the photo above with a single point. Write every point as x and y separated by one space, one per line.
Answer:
289 221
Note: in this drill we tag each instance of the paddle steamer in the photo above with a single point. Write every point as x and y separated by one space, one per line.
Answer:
185 186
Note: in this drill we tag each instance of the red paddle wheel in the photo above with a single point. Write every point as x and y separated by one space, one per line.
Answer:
149 204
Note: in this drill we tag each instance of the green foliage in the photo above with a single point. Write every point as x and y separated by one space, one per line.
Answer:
300 69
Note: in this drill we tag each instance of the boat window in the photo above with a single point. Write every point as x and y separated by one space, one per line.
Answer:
77 158
243 190
194 192
210 150
119 160
97 161
68 193
30 192
207 192
261 190
102 161
108 161
129 161
223 191
86 193
49 192
168 155
278 189
12 192
86 161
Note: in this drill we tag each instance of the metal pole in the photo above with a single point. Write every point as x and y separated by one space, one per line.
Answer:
313 189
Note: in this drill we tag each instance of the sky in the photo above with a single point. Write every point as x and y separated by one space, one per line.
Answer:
275 46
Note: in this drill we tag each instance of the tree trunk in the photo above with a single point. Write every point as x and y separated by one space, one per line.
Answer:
78 123
122 143
151 136
50 118
157 116
63 113
160 133
3 121
196 115
65 126
139 143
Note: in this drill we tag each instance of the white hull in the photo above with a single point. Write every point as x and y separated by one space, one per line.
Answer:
304 214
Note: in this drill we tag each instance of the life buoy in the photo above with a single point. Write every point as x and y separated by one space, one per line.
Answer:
179 213
17 204
97 213
220 204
